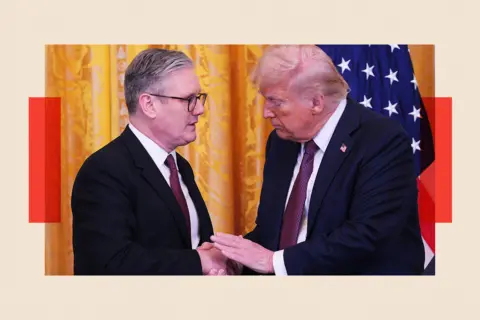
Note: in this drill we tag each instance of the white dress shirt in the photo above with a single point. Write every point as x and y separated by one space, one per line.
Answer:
321 139
159 156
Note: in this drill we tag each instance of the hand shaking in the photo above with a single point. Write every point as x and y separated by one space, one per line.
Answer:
212 260
244 252
214 263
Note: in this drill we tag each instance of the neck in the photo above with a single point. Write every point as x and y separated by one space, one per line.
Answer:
322 119
147 131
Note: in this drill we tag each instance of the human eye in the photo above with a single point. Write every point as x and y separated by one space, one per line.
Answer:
274 101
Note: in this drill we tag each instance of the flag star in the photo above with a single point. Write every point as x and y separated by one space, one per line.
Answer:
344 65
392 76
415 114
415 145
366 102
394 46
391 108
369 71
414 81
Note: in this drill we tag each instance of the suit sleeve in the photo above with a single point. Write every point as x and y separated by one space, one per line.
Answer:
253 235
381 204
103 238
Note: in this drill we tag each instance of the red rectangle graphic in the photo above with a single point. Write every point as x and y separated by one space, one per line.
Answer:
44 160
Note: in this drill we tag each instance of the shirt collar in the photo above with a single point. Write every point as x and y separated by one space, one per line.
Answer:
325 134
157 153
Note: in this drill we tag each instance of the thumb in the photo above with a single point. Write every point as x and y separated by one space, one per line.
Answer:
206 246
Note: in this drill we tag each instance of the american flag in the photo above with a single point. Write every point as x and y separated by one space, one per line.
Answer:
381 77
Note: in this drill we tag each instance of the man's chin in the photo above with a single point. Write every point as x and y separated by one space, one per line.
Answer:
190 137
282 134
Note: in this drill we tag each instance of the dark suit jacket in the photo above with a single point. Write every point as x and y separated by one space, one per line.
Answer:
363 217
126 220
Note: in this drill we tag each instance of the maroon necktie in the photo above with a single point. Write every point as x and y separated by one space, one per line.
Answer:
177 189
296 203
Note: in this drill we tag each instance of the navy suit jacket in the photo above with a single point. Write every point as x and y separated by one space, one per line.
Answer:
363 215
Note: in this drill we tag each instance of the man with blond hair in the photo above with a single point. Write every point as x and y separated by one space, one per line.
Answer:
339 192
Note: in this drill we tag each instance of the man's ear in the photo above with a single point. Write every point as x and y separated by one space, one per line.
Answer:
318 103
145 103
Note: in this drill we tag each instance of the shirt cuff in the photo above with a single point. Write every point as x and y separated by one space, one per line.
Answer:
278 264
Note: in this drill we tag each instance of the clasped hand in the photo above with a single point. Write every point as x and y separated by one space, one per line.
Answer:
214 263
228 254
244 252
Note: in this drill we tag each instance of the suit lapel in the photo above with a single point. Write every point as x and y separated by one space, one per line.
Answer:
154 177
205 224
337 151
284 164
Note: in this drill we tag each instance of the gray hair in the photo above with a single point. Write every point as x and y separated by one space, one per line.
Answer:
149 68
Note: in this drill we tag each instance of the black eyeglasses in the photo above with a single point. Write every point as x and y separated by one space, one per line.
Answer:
192 100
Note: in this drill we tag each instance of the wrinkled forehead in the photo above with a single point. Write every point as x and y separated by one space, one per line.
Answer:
270 79
274 91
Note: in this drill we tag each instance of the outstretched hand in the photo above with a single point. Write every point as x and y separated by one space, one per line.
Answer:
245 252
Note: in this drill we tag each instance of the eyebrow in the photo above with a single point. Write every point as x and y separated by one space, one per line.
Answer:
193 93
269 95
273 97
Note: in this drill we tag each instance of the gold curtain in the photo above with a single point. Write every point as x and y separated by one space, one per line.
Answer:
227 156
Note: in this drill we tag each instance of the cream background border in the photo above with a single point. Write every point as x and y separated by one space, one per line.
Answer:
28 25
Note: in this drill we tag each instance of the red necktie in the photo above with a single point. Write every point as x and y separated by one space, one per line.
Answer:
176 188
296 203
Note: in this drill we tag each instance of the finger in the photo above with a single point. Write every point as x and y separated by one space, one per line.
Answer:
212 272
232 255
237 254
221 272
231 241
206 246
224 236
225 241
222 247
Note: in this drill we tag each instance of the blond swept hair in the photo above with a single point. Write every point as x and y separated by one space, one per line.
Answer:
303 68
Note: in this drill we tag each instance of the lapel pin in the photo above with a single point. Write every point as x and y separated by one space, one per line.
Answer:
343 148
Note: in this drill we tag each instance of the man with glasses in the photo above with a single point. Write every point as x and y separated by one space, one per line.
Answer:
136 207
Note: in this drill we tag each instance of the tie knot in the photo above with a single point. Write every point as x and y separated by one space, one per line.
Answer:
170 162
311 147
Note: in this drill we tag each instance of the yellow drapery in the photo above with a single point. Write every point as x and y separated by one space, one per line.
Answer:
227 156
